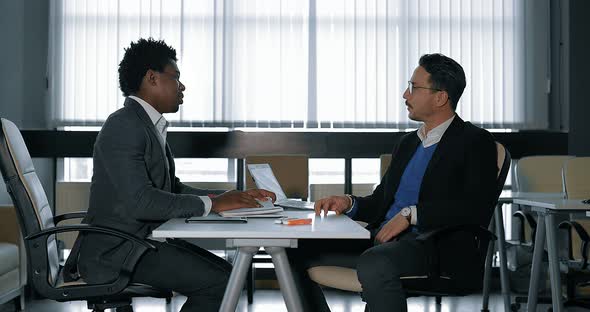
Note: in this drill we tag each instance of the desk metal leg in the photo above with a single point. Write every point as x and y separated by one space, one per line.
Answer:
499 220
536 266
285 277
487 275
236 279
553 263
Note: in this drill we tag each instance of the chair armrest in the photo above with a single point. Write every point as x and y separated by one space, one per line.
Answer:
476 230
430 238
70 215
584 237
38 256
90 228
523 216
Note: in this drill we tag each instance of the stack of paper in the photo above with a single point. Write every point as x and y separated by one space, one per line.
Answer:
263 212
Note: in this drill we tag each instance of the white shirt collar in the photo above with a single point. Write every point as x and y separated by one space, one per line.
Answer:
435 134
150 110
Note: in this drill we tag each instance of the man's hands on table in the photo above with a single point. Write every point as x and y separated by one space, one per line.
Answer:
342 204
338 204
237 199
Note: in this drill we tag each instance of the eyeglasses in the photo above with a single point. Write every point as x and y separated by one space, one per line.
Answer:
411 87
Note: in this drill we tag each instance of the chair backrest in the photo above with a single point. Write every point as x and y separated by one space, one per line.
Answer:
292 172
576 185
576 178
540 173
29 199
385 160
503 161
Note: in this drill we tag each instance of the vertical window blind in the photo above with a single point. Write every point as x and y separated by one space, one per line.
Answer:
295 63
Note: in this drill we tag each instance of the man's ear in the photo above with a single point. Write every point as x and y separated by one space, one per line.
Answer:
442 98
151 77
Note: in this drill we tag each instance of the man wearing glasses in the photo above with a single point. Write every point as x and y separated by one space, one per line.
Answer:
442 174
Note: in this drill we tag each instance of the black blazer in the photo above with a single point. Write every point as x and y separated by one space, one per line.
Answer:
459 187
132 190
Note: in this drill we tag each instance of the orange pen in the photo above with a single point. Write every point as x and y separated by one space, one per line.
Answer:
294 221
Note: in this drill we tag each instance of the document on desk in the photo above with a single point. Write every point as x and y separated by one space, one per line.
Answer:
262 212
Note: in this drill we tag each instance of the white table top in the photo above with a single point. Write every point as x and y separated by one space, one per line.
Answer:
332 226
554 204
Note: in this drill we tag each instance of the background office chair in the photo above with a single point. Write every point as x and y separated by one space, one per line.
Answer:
541 174
576 185
292 173
433 284
13 264
38 227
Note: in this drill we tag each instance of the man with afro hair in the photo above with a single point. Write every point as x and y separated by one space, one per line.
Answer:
134 188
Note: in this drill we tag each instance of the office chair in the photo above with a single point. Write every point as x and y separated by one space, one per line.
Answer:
541 174
433 284
39 226
292 173
13 264
576 185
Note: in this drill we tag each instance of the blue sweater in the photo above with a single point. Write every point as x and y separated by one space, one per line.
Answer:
409 186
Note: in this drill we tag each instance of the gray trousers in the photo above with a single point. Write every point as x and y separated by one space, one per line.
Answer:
188 270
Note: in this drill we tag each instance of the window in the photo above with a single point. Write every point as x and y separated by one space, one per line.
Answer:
187 169
302 64
366 171
326 171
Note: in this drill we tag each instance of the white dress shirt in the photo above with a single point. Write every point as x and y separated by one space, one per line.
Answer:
428 139
161 125
434 135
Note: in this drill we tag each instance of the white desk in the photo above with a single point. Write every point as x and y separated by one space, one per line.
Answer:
546 229
506 197
263 232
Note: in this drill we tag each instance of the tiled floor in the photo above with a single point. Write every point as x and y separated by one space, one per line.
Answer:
272 301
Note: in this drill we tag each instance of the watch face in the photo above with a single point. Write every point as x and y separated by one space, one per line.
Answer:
406 212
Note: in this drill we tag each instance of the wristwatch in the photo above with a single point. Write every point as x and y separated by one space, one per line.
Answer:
407 213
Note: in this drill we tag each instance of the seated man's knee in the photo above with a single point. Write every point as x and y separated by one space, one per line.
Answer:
374 266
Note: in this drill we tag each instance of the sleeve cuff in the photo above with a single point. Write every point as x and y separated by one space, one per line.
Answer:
414 217
351 212
206 205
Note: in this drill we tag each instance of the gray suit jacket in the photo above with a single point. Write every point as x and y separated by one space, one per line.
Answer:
132 190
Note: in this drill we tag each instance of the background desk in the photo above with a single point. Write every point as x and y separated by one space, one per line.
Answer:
263 232
507 197
546 229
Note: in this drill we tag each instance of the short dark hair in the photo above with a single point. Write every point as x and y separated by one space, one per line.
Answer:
139 58
445 74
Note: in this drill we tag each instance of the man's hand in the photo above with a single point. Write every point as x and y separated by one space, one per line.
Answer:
233 200
392 229
340 204
261 194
